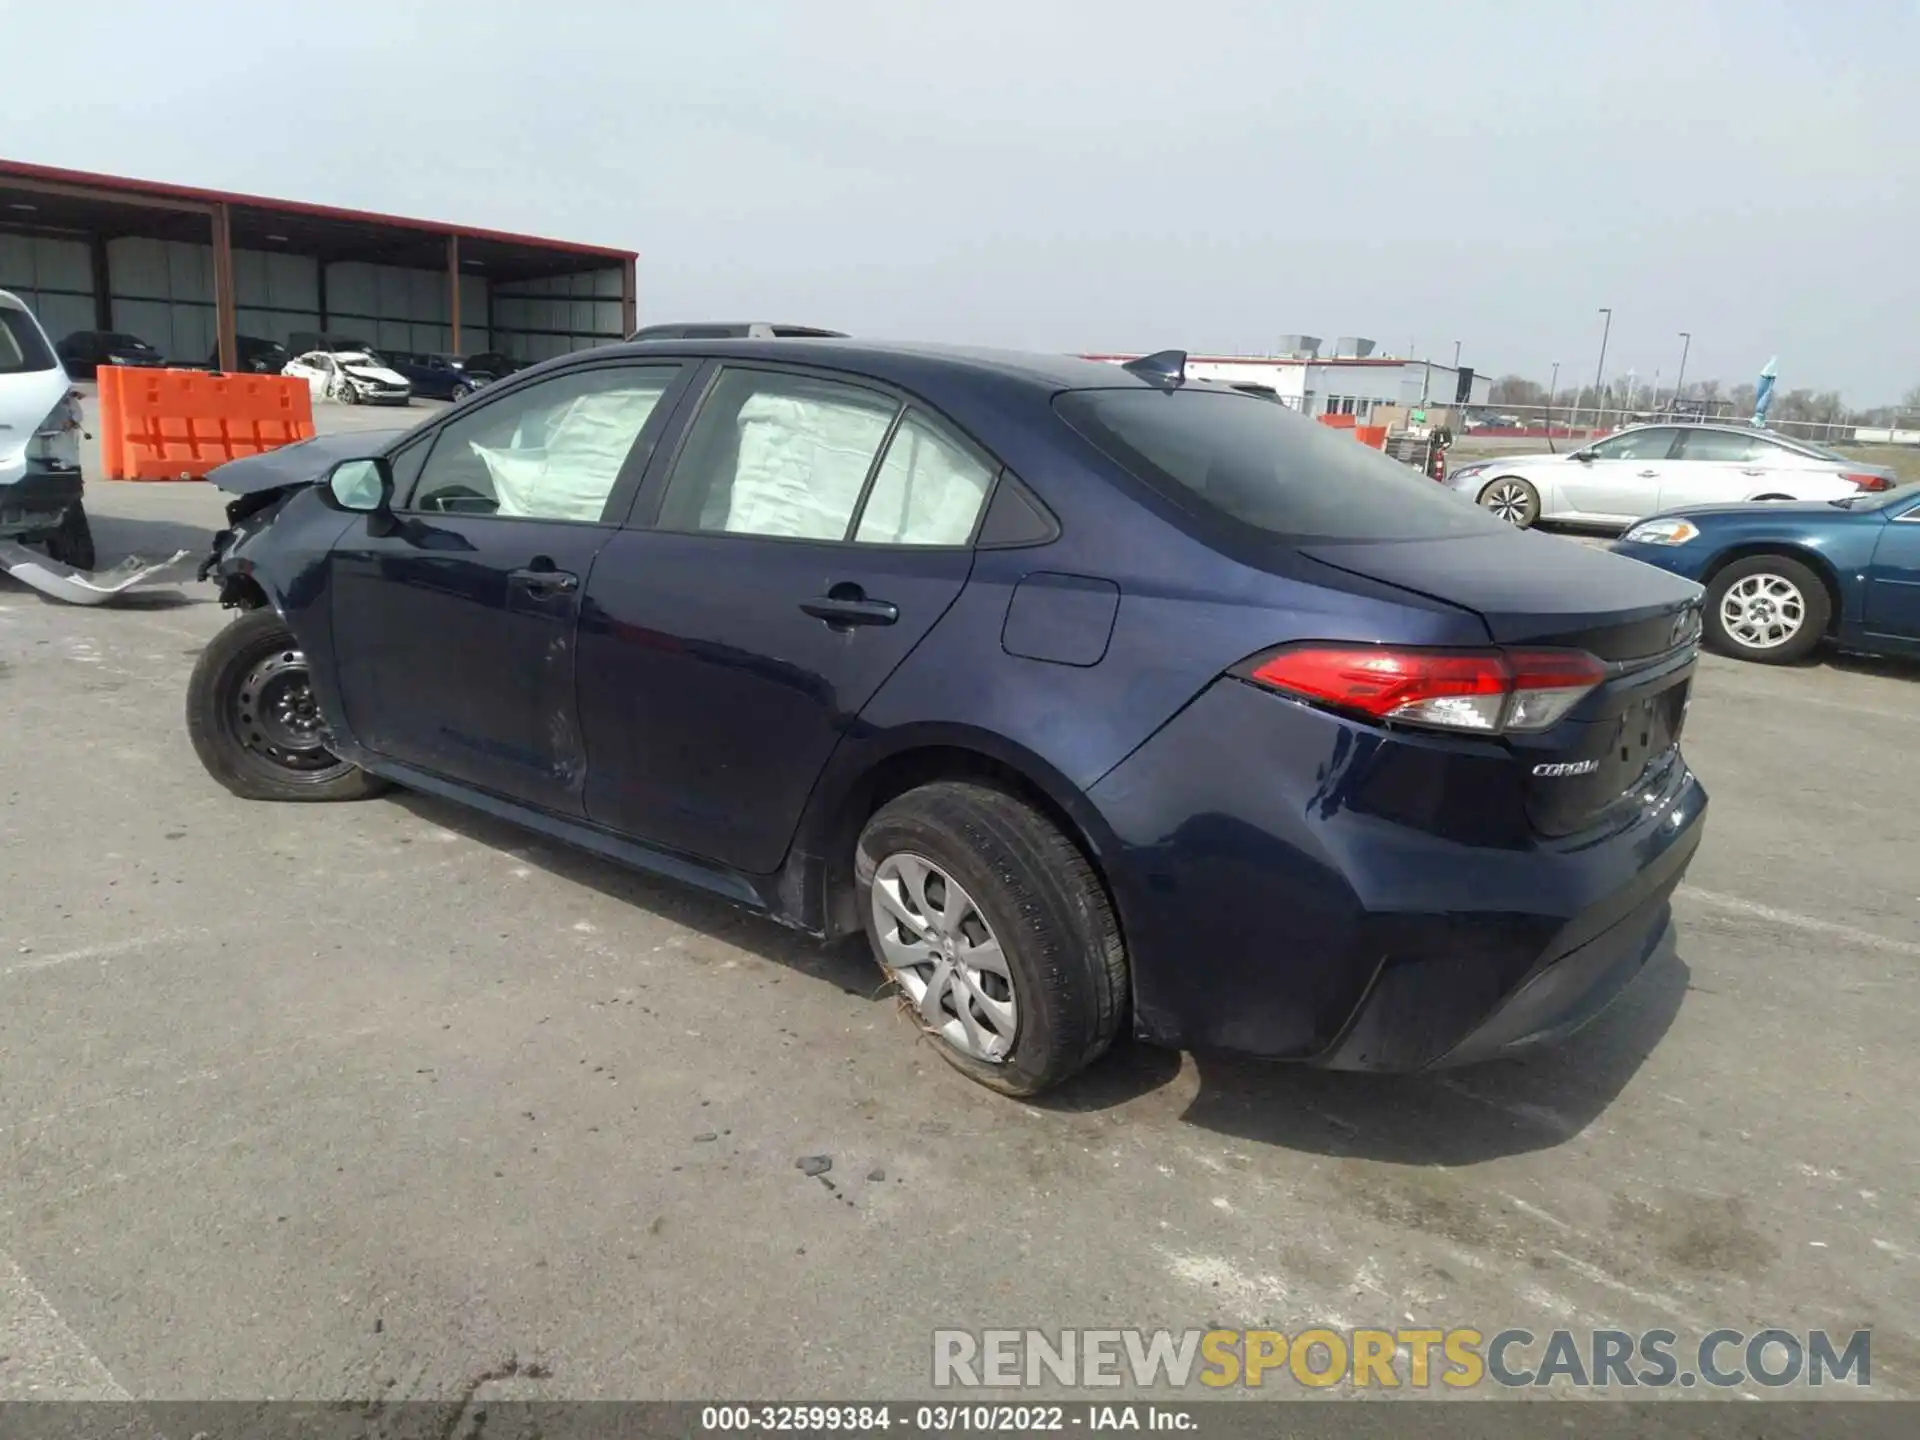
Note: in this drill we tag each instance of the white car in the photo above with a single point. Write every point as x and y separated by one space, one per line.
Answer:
1651 468
353 377
39 442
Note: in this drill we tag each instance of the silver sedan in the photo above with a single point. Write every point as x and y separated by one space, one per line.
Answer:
1651 468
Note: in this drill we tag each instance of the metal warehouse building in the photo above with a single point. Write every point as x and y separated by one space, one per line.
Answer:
188 270
1351 381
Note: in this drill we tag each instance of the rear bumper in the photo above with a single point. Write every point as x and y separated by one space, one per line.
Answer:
37 501
1297 886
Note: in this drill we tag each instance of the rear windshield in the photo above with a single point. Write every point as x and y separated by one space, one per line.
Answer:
1812 449
1256 462
22 348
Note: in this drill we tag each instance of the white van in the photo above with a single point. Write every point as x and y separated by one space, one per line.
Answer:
40 499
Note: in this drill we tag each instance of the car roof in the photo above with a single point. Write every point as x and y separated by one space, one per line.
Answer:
1733 427
899 361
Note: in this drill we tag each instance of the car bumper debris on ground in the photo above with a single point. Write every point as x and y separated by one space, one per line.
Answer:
80 587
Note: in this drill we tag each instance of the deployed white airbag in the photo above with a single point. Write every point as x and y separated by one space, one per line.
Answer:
570 476
929 491
802 461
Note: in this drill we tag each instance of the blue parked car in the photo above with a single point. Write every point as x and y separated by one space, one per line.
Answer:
1098 698
435 376
1780 578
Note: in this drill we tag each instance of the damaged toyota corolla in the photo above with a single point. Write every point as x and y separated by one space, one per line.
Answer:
1103 700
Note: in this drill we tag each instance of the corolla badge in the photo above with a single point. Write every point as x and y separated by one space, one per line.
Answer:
1566 767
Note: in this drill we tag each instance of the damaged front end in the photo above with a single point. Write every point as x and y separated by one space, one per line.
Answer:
246 515
261 486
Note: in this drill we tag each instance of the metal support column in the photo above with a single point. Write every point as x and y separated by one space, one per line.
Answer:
224 320
102 283
453 292
629 298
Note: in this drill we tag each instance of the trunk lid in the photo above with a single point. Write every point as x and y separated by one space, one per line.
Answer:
1538 590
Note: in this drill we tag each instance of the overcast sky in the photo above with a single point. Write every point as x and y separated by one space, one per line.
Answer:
1088 174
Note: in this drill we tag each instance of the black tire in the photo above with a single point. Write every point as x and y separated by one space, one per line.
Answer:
234 742
1816 609
1046 908
72 542
344 392
1511 498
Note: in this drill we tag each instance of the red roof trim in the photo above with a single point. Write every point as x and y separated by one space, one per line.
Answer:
156 190
1273 360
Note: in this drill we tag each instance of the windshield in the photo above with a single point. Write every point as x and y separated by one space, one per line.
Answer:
22 350
1256 462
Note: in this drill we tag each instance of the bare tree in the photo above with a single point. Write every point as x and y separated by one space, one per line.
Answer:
1517 390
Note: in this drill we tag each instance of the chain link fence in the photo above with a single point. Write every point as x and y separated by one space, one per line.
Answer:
1564 422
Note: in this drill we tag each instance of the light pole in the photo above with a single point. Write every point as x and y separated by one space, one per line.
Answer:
1552 385
1686 344
1599 412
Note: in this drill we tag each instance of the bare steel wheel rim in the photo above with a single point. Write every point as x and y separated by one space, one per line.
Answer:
1508 500
276 717
1763 612
940 950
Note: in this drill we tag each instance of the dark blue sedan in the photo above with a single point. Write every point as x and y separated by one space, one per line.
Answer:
1098 698
435 376
1781 578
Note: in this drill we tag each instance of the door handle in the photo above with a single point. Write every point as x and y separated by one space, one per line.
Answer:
1753 472
1648 474
840 611
552 582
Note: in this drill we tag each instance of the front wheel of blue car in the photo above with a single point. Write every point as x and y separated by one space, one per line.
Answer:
253 722
996 932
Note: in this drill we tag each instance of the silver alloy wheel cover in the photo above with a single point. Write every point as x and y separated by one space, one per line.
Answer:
1507 499
938 948
1762 611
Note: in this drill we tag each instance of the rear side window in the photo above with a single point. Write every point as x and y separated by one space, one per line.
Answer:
1653 444
929 490
1249 460
778 455
1718 445
23 350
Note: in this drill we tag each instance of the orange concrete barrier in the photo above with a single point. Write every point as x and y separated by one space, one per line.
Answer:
1373 435
179 424
1337 422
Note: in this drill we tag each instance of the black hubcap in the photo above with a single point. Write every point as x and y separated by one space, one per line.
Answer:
276 717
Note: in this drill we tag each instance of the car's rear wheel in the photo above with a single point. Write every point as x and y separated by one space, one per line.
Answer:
1767 608
1513 500
997 932
253 722
71 542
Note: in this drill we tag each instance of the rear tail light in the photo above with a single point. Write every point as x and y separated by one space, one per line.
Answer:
1488 692
1868 482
